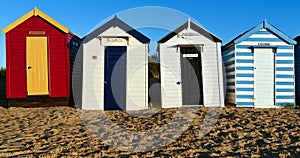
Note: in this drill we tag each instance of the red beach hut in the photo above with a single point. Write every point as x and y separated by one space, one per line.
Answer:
39 58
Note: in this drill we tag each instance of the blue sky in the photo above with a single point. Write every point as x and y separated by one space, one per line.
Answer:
225 19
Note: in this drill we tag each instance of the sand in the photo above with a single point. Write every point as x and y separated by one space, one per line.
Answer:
63 132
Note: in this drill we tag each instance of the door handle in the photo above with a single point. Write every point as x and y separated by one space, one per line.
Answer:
104 82
29 67
178 83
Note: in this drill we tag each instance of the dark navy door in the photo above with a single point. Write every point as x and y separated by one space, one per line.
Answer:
191 76
115 78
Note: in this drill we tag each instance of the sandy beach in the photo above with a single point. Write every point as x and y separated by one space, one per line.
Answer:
61 132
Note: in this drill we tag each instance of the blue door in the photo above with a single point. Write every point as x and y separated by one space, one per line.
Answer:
115 78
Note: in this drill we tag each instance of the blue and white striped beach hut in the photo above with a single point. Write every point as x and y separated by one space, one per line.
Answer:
260 68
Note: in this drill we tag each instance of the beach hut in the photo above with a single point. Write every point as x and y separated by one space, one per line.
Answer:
191 67
297 70
115 68
260 68
38 55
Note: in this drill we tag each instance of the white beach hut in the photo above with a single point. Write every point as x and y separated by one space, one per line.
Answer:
114 68
191 67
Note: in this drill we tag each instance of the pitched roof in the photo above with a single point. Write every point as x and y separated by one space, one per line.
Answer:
193 26
121 24
35 12
297 39
266 25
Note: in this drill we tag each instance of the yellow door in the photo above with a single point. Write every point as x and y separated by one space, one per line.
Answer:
37 65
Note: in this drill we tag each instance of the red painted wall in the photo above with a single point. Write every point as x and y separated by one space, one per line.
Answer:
58 58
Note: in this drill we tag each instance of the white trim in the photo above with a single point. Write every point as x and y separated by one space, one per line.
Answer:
285 58
245 78
244 86
285 100
263 36
244 64
244 93
284 86
244 71
285 93
250 43
244 57
243 50
284 73
284 51
284 79
284 65
244 100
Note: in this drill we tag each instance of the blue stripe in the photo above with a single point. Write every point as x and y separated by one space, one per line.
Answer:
245 96
286 47
229 63
243 54
245 103
284 62
284 54
285 97
230 70
244 61
245 89
230 90
284 90
230 83
264 39
284 69
284 83
284 76
242 46
244 68
230 76
228 57
244 75
275 46
285 103
244 82
227 51
263 33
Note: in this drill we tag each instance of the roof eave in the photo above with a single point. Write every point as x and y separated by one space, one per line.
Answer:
121 24
35 12
268 26
193 26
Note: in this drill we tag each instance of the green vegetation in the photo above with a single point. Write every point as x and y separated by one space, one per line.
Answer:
154 70
2 72
3 101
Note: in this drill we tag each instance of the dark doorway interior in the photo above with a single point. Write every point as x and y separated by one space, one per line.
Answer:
191 76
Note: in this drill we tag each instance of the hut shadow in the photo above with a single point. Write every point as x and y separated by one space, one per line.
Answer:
3 101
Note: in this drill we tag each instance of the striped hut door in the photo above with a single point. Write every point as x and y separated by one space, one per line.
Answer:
264 78
37 65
